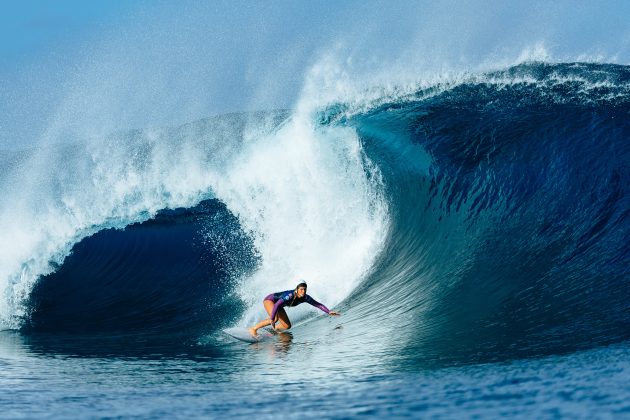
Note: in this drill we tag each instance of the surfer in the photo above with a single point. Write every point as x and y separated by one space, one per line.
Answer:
274 305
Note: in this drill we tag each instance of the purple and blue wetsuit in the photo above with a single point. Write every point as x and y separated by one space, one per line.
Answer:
288 298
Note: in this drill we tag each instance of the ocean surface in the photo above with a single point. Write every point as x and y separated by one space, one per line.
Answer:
473 232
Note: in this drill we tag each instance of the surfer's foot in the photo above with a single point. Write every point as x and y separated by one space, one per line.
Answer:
252 331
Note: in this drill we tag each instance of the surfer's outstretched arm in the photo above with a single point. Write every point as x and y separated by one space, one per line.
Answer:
320 306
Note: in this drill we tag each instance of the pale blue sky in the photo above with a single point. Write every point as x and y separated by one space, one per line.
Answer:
30 27
80 66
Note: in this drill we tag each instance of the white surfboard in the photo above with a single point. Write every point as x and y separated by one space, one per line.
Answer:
244 335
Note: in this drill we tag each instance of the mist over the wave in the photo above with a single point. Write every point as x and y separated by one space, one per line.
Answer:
169 64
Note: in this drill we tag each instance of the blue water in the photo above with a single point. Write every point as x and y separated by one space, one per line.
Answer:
42 377
474 233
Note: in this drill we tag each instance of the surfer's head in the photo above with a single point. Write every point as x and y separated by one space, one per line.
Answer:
300 289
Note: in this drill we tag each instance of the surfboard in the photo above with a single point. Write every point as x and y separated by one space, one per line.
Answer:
244 335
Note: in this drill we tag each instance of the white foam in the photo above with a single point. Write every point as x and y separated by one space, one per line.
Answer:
307 194
314 206
63 194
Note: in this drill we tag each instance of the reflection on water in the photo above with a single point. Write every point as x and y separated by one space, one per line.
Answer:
281 346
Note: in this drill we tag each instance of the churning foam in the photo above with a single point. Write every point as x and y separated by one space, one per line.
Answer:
314 205
66 193
307 194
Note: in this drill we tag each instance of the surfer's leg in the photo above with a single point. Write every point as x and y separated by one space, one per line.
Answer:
283 319
268 307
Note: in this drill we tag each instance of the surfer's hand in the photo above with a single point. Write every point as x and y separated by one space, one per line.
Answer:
273 325
334 313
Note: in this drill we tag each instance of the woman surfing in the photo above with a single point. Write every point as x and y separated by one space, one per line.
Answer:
275 303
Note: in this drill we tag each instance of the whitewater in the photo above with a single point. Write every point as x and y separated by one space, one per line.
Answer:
299 192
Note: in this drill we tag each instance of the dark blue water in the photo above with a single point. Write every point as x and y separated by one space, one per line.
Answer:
496 285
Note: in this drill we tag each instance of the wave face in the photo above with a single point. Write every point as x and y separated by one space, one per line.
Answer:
484 219
510 232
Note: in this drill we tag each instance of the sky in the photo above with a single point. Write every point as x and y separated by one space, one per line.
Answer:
30 27
71 68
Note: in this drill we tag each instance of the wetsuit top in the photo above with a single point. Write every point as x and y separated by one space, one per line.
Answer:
286 298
